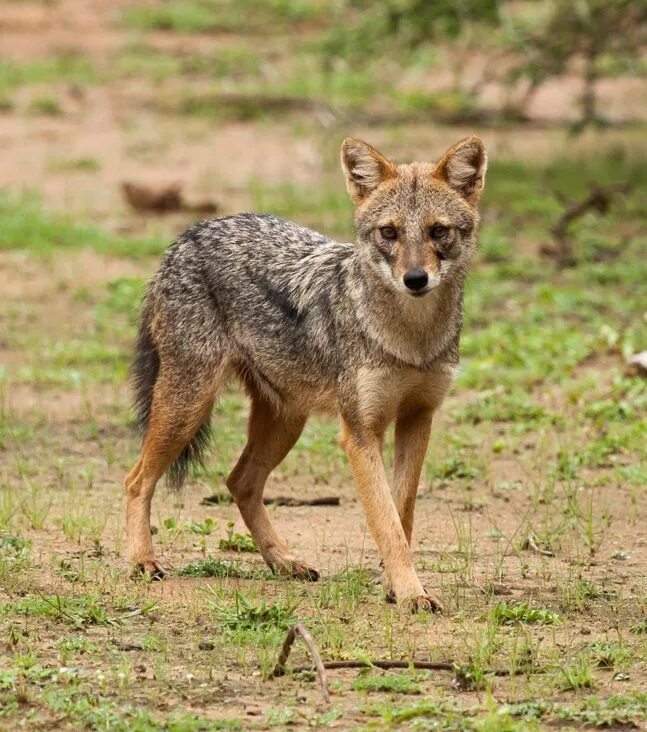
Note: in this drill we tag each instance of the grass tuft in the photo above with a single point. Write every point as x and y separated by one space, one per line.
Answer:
522 612
222 569
244 615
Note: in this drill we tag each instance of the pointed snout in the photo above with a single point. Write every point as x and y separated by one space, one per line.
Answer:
415 279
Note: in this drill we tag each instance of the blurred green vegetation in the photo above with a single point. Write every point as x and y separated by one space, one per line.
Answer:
351 52
353 57
26 225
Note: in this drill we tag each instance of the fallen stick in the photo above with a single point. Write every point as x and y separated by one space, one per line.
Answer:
288 501
127 646
531 543
221 498
386 665
279 669
321 666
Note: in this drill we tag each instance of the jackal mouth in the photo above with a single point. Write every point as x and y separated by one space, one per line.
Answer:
433 284
420 293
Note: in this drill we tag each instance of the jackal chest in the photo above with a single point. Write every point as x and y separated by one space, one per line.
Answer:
382 393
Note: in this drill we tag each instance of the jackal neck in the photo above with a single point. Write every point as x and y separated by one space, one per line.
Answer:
416 331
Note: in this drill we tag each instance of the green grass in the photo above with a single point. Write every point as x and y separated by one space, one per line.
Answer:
235 542
64 68
395 683
222 569
79 612
522 612
81 165
203 16
25 225
188 17
244 615
231 62
47 106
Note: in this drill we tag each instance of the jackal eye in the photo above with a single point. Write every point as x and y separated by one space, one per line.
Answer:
389 232
438 231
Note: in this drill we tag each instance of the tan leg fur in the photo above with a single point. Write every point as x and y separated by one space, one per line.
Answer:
412 429
173 422
271 435
364 451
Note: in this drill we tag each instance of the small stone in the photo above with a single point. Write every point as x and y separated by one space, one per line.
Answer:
621 556
639 360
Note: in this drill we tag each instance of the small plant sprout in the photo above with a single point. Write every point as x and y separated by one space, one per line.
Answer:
236 542
522 612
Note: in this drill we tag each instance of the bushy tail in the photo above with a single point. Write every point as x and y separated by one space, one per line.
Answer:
191 455
144 373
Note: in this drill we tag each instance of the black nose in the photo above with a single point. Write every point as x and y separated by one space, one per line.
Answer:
416 279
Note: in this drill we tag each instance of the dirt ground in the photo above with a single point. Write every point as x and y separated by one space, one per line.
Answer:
161 656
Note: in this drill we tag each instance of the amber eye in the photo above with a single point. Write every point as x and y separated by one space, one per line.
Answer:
437 232
389 232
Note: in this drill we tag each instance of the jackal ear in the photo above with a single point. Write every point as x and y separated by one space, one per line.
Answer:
463 168
364 167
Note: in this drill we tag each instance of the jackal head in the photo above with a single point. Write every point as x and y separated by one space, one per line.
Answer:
416 223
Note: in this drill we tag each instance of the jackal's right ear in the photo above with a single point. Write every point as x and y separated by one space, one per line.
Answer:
364 167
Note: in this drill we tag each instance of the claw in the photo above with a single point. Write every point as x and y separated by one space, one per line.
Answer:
427 603
152 568
303 572
295 570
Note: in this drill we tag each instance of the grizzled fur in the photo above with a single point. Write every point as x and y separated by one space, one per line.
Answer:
307 323
292 311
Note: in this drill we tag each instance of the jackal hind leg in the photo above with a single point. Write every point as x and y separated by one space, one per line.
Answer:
177 413
271 436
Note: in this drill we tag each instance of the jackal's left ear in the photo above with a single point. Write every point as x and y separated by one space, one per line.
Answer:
463 168
364 167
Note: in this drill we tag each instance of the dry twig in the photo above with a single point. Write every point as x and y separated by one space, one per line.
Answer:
217 498
288 501
531 543
279 669
599 199
321 666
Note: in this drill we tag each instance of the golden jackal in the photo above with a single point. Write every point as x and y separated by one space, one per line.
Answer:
368 330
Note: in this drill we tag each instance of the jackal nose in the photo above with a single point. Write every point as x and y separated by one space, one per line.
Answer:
416 279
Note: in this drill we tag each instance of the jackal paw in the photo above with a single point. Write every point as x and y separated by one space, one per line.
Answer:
295 569
304 572
152 568
425 603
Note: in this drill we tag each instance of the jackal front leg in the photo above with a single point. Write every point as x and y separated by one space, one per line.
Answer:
364 450
412 429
